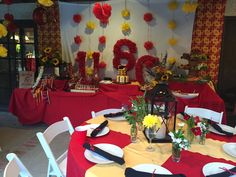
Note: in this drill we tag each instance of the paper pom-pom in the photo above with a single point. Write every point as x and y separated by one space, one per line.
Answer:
89 71
3 30
77 39
189 7
125 27
90 25
172 24
173 5
102 12
102 39
102 64
89 54
171 60
172 41
125 13
77 18
3 51
46 3
8 2
148 45
148 17
8 17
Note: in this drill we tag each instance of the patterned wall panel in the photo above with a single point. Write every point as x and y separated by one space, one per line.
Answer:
207 33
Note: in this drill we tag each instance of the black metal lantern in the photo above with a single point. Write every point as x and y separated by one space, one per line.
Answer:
162 103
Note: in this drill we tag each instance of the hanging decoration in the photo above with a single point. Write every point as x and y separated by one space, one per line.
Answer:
9 18
189 7
102 65
89 71
148 17
119 54
77 18
90 25
89 54
46 3
3 51
125 13
78 39
102 12
172 24
125 27
172 41
148 45
173 5
144 61
102 39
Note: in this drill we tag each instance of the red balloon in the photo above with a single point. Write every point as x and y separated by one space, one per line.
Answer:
40 16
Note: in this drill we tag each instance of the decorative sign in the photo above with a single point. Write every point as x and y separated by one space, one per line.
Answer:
26 79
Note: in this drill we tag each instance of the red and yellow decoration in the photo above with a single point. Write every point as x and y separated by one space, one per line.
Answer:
128 55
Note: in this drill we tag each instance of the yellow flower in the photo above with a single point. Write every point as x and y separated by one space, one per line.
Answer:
189 7
125 26
172 24
46 3
125 13
89 71
3 51
90 25
47 50
44 59
171 60
89 54
55 61
172 41
151 120
173 5
3 30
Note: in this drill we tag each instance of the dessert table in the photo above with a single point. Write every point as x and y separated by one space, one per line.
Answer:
78 106
191 163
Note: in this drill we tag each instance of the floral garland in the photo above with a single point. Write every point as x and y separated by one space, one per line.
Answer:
147 60
119 54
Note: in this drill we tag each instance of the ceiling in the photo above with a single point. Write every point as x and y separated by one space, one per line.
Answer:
33 1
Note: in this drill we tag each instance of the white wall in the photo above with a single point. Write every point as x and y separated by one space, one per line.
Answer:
159 31
230 9
19 10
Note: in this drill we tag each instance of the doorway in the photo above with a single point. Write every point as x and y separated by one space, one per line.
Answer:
21 45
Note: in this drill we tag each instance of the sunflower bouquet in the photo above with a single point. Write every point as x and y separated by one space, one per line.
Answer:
50 58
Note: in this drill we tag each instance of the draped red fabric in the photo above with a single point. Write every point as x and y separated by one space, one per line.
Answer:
207 33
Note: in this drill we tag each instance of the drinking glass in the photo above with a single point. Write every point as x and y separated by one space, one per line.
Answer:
151 134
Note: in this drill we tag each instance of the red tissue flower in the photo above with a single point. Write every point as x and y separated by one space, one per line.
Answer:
8 17
77 18
148 45
102 64
148 17
102 12
77 39
102 39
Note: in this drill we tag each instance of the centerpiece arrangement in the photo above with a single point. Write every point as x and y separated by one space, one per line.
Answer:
179 142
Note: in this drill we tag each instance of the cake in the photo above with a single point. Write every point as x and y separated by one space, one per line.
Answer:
122 77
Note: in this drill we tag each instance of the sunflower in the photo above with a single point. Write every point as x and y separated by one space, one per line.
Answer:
47 50
55 61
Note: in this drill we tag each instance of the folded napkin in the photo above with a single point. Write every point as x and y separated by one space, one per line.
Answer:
130 172
117 114
223 174
99 128
103 153
219 129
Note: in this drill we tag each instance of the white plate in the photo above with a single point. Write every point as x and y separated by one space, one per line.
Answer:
230 148
101 133
214 168
118 118
224 127
149 168
185 95
111 148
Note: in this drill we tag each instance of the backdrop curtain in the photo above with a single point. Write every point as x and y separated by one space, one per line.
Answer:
207 33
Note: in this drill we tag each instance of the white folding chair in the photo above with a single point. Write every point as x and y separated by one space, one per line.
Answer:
56 167
105 111
15 167
204 113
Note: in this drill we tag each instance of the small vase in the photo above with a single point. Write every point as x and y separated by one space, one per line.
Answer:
202 139
190 135
176 153
133 133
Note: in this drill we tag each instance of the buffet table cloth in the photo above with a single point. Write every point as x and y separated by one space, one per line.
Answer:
191 163
78 106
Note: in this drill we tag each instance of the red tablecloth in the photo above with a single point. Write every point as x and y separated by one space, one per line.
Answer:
78 106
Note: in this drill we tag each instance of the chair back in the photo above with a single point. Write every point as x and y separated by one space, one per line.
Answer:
105 111
204 113
15 167
46 138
